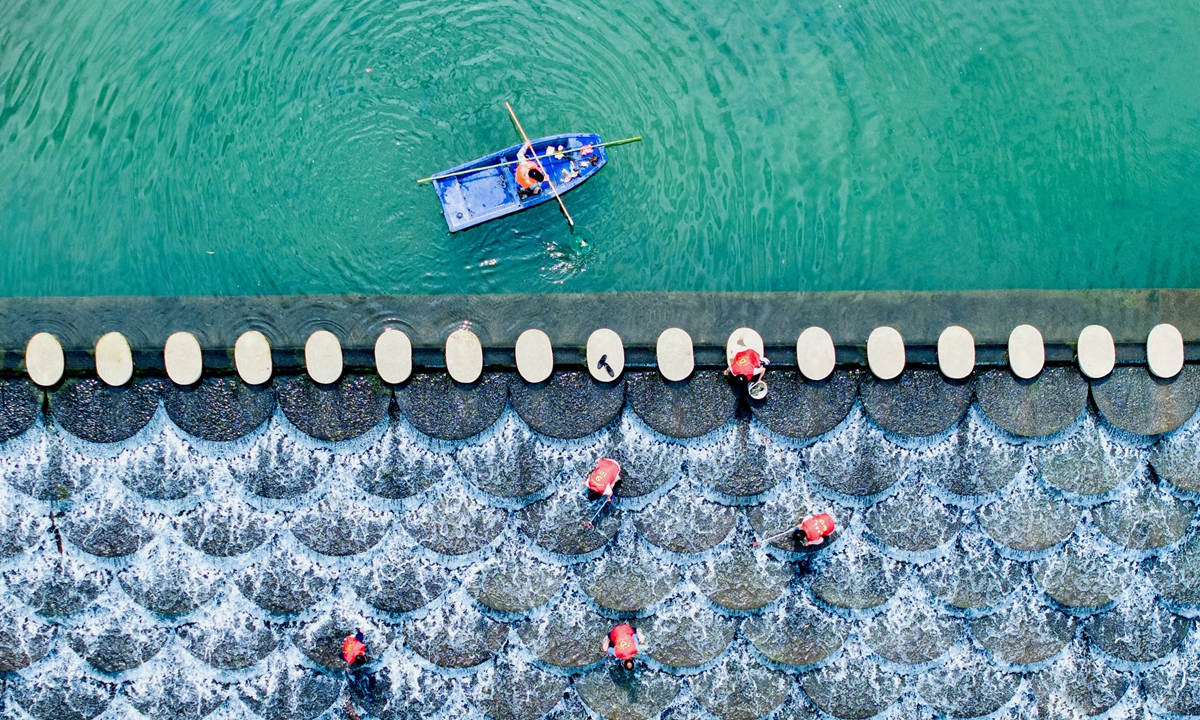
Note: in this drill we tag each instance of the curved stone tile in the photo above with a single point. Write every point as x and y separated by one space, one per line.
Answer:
855 577
20 406
647 463
287 690
1087 463
1176 574
1143 517
976 463
339 411
277 467
55 585
398 581
569 636
1027 518
571 404
515 690
172 690
913 632
22 523
738 688
229 635
340 526
513 463
454 523
557 523
684 522
744 463
24 638
1139 629
912 520
167 579
973 575
687 634
1079 681
402 690
61 690
627 578
1137 401
441 408
113 637
49 471
456 635
93 411
967 686
161 470
853 686
614 693
219 408
285 582
1176 459
1079 576
513 580
321 639
685 409
1032 408
917 403
1175 684
400 466
801 408
796 632
798 707
857 461
109 526
740 579
1024 632
224 526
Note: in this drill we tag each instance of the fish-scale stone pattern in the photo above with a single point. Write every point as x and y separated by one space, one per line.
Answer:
1003 559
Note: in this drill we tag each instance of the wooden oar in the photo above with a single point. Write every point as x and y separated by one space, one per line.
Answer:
506 163
539 164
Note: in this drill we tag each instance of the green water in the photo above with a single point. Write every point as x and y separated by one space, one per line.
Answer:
222 147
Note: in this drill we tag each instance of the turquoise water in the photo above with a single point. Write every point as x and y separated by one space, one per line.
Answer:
190 147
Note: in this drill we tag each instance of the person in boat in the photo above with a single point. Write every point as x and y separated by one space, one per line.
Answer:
529 176
603 479
814 529
748 365
622 643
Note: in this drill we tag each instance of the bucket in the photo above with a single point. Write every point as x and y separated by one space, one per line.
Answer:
758 390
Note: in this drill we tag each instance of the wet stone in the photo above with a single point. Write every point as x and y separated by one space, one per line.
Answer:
796 632
571 404
1027 518
55 585
801 408
514 690
743 463
627 578
21 524
174 692
976 463
456 635
1139 629
157 472
1024 632
684 409
277 468
684 522
339 411
401 466
114 638
1176 574
967 686
112 526
687 634
285 582
741 580
61 690
1041 406
1079 680
228 635
454 523
219 408
1143 517
339 526
289 691
169 580
398 581
569 636
853 686
1175 684
402 691
321 639
912 520
557 523
20 405
787 509
858 461
96 412
24 639
618 694
1088 463
513 464
798 707
1081 576
917 403
855 577
49 473
225 526
1176 459
972 576
1137 401
647 463
913 632
513 580
738 688
439 407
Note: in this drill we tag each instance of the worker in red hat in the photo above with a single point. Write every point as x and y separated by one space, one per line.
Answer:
603 479
622 643
748 365
815 528
354 650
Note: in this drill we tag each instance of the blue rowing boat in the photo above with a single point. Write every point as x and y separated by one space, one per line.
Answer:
486 189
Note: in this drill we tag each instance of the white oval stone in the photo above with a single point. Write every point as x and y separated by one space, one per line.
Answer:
1026 351
323 357
393 356
183 358
885 353
44 359
674 351
743 339
114 359
464 356
1097 352
1164 351
605 352
252 357
815 353
535 355
956 352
